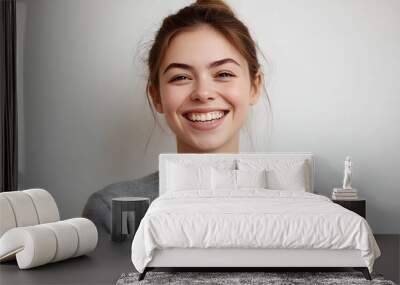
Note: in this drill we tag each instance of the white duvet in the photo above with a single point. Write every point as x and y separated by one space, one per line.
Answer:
251 218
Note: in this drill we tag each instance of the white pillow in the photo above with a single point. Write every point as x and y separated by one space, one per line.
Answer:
287 178
223 179
282 174
251 178
187 177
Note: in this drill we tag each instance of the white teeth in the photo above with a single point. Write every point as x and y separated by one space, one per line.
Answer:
205 117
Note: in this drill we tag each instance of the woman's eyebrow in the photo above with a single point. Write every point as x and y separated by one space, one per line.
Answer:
212 64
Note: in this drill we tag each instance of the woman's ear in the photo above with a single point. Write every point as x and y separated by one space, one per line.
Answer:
156 98
256 88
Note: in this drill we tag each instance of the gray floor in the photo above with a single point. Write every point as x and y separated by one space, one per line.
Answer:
389 262
110 260
103 266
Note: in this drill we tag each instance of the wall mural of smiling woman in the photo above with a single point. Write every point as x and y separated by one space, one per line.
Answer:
204 77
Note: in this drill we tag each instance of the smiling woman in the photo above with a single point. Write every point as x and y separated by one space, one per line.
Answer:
217 79
204 76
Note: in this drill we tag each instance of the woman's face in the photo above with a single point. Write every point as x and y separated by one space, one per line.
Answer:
205 91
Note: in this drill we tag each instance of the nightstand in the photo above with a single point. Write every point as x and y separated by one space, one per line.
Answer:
122 207
358 206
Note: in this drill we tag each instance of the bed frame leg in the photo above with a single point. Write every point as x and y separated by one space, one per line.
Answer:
143 274
364 271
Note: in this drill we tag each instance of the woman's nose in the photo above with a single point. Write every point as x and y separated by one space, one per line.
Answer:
203 91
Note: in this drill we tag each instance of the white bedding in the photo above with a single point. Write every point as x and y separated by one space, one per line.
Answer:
250 218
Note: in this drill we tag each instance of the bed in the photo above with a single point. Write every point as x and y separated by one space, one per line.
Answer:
247 210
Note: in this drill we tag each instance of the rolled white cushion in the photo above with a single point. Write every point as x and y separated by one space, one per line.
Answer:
40 244
26 208
23 208
87 233
67 239
33 246
7 218
45 205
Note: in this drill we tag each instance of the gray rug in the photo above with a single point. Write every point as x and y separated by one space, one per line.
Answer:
229 278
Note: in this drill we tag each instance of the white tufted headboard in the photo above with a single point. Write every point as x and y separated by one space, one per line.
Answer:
227 159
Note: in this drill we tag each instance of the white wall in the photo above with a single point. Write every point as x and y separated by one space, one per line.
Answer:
332 85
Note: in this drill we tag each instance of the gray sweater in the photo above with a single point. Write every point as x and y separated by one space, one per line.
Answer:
98 206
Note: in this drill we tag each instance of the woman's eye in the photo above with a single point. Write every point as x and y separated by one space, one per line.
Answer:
225 75
179 78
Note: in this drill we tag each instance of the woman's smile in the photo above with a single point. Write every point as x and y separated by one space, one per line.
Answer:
205 121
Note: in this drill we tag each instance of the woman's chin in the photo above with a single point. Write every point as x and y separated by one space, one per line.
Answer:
208 145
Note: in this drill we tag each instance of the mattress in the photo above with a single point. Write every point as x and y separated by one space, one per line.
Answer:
250 218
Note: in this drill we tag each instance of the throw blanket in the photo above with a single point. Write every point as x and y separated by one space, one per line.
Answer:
251 218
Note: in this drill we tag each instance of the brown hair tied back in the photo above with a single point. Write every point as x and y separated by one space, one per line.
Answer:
215 4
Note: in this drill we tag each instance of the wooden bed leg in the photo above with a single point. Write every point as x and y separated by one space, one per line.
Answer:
364 271
143 274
